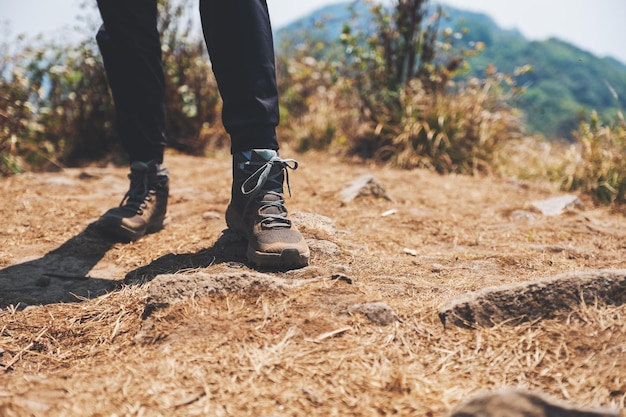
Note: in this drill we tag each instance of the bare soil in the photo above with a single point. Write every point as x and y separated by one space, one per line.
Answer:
76 338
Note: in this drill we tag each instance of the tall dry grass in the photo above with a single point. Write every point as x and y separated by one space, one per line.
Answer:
600 167
594 165
456 132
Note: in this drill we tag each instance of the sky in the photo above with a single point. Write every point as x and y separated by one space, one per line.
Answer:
593 25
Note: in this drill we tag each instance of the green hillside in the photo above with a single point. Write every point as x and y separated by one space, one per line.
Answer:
566 83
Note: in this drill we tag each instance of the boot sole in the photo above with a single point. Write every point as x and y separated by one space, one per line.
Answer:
124 234
287 259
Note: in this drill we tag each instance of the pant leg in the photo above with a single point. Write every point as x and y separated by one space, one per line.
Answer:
238 35
131 50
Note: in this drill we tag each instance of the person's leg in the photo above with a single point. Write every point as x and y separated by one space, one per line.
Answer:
130 46
131 50
239 39
238 36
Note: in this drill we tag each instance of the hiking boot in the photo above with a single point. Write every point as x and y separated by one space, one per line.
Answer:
144 207
257 210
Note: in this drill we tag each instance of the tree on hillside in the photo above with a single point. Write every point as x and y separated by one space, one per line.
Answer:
402 74
401 49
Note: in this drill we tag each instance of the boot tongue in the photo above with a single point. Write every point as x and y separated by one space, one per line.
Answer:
261 155
272 211
268 197
138 166
271 197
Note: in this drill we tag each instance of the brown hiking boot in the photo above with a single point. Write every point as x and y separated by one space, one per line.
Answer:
257 210
144 207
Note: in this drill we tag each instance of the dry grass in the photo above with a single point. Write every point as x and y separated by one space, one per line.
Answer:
600 169
240 356
458 132
299 352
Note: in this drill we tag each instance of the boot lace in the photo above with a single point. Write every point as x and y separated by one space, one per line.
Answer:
267 178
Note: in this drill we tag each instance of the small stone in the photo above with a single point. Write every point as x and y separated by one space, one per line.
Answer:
85 175
378 313
312 222
520 403
342 277
523 215
363 186
389 213
324 247
557 205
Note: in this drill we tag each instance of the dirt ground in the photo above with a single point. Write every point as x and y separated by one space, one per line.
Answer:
76 339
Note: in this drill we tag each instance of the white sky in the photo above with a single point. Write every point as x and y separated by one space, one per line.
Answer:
594 25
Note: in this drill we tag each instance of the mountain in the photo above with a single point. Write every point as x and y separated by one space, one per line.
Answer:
566 83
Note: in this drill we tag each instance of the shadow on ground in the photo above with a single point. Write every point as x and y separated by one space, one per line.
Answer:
62 275
59 276
229 248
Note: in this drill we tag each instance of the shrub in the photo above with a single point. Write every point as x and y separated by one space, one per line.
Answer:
74 107
192 101
414 113
57 108
459 131
316 112
600 167
15 112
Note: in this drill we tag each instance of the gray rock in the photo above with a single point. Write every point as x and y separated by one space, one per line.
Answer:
557 205
312 222
363 186
324 247
523 215
543 298
377 313
518 403
170 289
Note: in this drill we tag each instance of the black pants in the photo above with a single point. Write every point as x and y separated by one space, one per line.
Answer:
239 40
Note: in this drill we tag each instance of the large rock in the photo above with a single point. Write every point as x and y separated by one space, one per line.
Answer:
518 403
543 298
170 289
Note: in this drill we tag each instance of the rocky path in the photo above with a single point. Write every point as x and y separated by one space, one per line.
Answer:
178 324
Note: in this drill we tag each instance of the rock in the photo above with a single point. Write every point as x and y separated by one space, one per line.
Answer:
531 300
342 277
170 289
312 222
555 206
518 403
389 212
523 215
324 248
377 313
363 186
